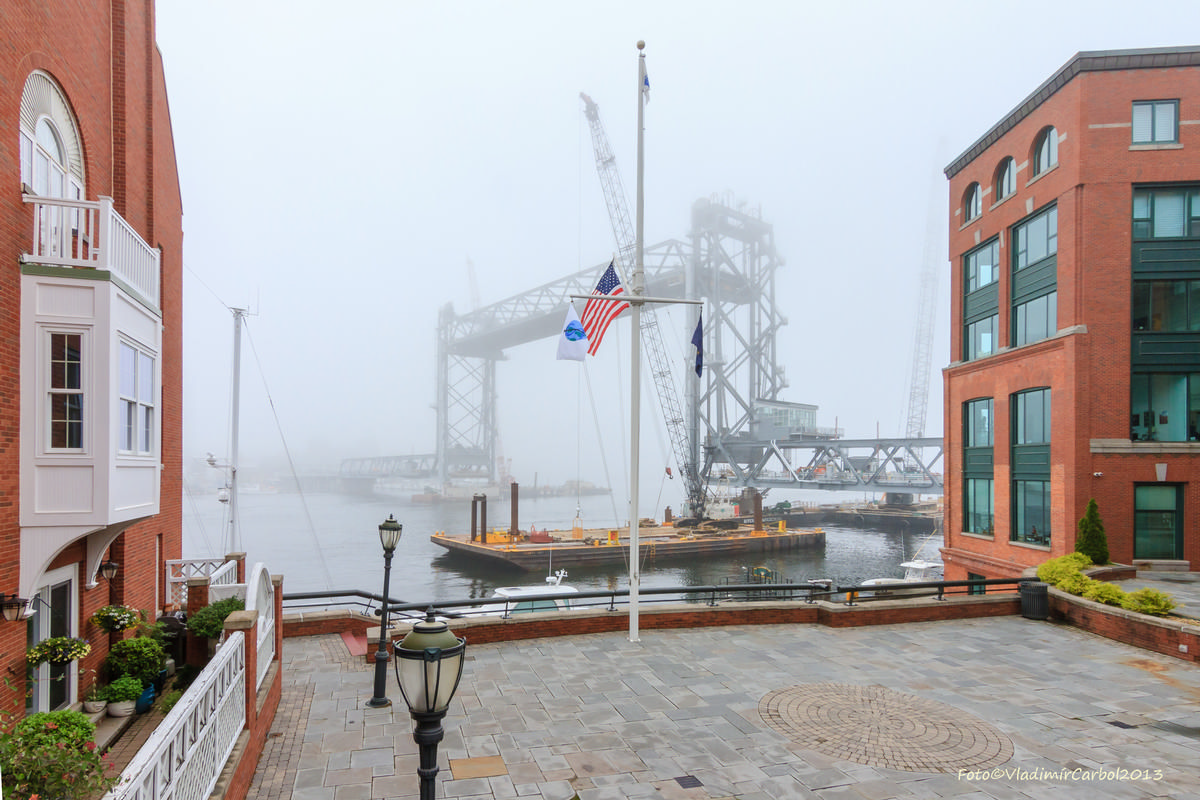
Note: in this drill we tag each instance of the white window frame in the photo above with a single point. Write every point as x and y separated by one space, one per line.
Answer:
135 409
38 628
51 391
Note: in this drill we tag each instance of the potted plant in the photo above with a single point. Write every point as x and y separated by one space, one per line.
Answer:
57 650
116 618
140 657
122 695
94 701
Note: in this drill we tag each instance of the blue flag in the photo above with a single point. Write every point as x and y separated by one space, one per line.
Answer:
698 341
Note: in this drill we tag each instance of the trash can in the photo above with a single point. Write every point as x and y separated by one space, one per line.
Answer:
174 637
1035 600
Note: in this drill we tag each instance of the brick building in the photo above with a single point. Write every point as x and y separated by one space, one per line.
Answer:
90 332
1075 374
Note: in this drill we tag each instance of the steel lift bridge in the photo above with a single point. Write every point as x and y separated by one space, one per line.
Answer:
739 430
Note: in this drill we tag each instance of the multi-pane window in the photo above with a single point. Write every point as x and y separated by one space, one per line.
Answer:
65 394
981 337
1006 178
973 202
976 589
977 416
1165 407
982 265
1155 121
1031 417
1031 512
136 423
1157 521
978 487
979 500
1030 467
1036 239
1045 155
1166 213
1036 319
1170 306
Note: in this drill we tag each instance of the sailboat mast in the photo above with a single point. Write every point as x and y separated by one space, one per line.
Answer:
235 538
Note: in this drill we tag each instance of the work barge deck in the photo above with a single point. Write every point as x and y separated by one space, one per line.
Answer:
536 550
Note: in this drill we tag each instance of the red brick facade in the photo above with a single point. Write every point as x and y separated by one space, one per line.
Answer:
102 55
1086 364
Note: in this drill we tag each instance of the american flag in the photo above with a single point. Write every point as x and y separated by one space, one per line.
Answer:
599 314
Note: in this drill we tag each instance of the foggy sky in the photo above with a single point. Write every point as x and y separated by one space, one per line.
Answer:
341 163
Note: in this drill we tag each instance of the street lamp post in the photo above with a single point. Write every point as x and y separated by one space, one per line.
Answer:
429 665
389 537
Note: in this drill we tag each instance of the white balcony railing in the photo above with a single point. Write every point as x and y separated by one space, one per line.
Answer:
183 758
179 570
91 234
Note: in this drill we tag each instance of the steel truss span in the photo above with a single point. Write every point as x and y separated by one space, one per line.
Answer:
739 427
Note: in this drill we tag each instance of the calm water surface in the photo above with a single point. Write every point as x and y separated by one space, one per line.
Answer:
330 541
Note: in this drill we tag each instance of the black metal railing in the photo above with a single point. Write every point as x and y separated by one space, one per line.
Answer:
612 599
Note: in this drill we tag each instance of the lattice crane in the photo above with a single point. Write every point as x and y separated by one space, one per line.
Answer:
660 366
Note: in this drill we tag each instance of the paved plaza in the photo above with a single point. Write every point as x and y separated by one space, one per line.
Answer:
992 708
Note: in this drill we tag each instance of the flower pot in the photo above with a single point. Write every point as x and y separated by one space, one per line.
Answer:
121 708
94 706
143 703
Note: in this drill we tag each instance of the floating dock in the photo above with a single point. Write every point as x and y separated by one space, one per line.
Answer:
602 546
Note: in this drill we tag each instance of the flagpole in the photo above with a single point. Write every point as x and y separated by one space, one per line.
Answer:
636 289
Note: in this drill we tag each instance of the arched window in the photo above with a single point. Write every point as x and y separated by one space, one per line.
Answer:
1006 178
1045 153
972 202
51 149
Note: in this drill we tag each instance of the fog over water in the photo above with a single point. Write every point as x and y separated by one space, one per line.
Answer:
347 170
341 549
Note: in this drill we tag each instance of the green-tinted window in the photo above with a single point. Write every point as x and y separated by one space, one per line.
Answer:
982 265
1031 512
1166 213
1031 417
1036 239
1157 522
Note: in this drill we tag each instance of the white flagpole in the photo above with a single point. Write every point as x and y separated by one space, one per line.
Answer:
636 289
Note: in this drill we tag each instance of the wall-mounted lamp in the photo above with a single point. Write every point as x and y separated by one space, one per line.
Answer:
108 569
12 606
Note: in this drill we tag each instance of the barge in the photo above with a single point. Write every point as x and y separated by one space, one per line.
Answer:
602 546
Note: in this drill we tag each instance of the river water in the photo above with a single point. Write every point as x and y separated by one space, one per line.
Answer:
331 541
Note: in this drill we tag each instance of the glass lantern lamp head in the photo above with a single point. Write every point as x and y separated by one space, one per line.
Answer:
12 606
429 666
109 569
389 533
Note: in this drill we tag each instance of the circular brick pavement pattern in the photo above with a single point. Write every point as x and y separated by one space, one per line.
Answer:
879 727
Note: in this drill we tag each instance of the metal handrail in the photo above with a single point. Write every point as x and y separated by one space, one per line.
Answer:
609 599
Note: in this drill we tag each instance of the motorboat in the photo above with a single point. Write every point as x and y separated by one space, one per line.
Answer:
523 599
916 571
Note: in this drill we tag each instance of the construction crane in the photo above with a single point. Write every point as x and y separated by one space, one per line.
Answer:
656 356
922 354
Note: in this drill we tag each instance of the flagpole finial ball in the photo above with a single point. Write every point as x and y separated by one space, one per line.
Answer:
641 45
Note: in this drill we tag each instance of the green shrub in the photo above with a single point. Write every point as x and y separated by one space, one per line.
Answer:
1149 601
1104 592
1076 583
72 728
124 689
1090 538
140 657
169 700
1056 569
209 621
